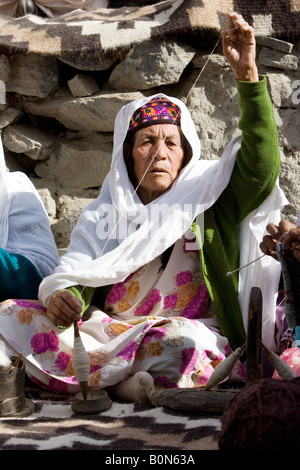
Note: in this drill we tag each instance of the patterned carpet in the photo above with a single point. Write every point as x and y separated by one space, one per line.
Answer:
51 424
106 31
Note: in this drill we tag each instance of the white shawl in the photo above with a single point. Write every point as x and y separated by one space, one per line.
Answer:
92 260
24 223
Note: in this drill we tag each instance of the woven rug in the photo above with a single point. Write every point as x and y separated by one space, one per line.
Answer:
111 30
51 424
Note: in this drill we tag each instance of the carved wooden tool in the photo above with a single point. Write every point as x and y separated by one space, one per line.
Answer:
81 362
254 353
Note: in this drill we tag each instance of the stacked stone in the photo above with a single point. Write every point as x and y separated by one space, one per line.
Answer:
57 119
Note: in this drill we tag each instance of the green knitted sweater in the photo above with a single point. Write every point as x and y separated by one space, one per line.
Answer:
253 178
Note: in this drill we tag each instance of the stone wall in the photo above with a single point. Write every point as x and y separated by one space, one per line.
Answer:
58 118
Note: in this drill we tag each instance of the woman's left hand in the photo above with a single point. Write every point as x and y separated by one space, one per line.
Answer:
286 232
292 240
239 48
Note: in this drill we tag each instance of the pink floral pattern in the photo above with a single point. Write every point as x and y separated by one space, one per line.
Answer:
290 356
62 360
189 360
152 299
151 321
28 303
183 278
170 301
197 305
129 351
42 342
116 293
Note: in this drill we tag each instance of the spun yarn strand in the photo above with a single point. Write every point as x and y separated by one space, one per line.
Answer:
80 361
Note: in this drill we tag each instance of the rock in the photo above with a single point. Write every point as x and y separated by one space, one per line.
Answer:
12 162
288 138
82 162
46 196
280 89
277 44
213 104
4 67
36 144
277 59
83 85
9 116
69 209
163 64
33 75
91 62
216 61
2 96
94 113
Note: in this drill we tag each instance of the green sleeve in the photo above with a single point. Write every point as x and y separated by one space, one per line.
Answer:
258 161
84 294
254 175
253 178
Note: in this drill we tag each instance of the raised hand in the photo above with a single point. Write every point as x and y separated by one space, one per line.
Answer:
239 48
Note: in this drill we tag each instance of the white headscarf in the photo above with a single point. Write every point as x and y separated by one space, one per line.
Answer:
24 223
94 261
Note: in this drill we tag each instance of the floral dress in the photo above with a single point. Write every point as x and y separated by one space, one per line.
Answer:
159 319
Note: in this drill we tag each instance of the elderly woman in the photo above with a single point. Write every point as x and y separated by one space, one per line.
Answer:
145 273
27 249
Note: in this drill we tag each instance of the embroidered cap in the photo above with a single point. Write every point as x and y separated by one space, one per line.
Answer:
156 111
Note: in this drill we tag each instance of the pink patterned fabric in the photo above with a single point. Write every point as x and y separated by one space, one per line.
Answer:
292 357
159 321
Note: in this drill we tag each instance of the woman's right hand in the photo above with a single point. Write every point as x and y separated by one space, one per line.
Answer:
64 308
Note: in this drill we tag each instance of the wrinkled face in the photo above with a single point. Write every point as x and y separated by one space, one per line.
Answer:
158 156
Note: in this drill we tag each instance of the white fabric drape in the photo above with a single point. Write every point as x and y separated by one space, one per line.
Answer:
264 273
24 223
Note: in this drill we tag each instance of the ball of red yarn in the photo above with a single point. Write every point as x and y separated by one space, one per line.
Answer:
265 415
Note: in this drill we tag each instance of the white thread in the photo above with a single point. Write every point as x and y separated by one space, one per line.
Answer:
257 259
283 369
80 361
224 368
230 273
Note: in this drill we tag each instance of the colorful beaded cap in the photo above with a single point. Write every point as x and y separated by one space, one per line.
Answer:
156 111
